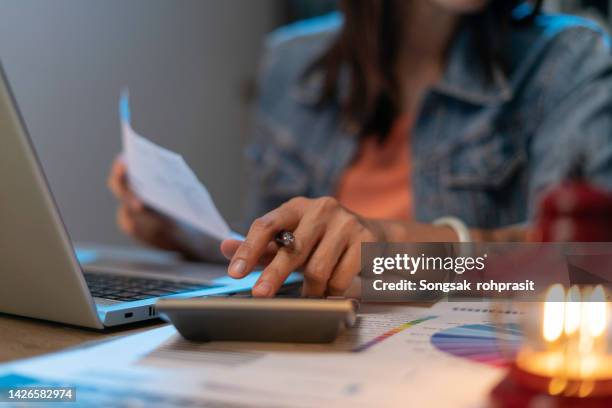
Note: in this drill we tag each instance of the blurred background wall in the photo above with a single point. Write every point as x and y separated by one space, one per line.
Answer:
189 65
186 63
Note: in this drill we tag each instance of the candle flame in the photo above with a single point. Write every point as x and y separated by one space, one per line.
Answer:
585 342
572 310
586 388
557 385
554 311
574 351
597 312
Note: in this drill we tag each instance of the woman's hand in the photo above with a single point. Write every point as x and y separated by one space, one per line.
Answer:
327 247
143 223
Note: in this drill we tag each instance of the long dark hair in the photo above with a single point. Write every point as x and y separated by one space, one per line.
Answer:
367 45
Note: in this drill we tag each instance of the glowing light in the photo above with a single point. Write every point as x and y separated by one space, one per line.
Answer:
596 312
554 311
572 310
556 386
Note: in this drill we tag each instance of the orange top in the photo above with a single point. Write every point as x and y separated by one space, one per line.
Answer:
377 184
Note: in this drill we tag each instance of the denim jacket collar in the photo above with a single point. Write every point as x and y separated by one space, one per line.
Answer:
463 79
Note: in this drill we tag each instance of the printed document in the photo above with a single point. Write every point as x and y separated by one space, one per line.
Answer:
164 181
396 356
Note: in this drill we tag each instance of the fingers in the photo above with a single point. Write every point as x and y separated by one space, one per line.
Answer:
348 267
230 246
322 263
117 178
140 224
262 231
327 244
118 184
146 226
124 220
307 235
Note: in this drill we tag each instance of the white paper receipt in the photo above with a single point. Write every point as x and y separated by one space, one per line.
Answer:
164 181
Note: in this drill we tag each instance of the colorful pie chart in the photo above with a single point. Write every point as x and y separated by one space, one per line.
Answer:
483 343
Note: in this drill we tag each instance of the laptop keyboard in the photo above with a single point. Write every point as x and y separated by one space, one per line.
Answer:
128 288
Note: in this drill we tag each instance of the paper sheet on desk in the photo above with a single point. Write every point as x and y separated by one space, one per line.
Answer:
109 375
399 369
389 358
164 181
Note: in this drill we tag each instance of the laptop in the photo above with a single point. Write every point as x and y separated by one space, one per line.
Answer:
40 274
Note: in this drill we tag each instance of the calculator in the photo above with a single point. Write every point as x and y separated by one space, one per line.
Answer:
295 320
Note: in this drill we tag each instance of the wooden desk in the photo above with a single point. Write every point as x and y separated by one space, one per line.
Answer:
22 337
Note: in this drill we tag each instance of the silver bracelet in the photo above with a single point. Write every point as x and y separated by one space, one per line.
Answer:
462 231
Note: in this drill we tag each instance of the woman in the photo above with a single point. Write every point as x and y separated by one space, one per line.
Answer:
399 113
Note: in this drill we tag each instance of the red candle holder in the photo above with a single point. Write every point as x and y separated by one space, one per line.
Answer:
521 389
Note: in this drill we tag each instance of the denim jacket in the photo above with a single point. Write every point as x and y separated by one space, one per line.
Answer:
481 150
